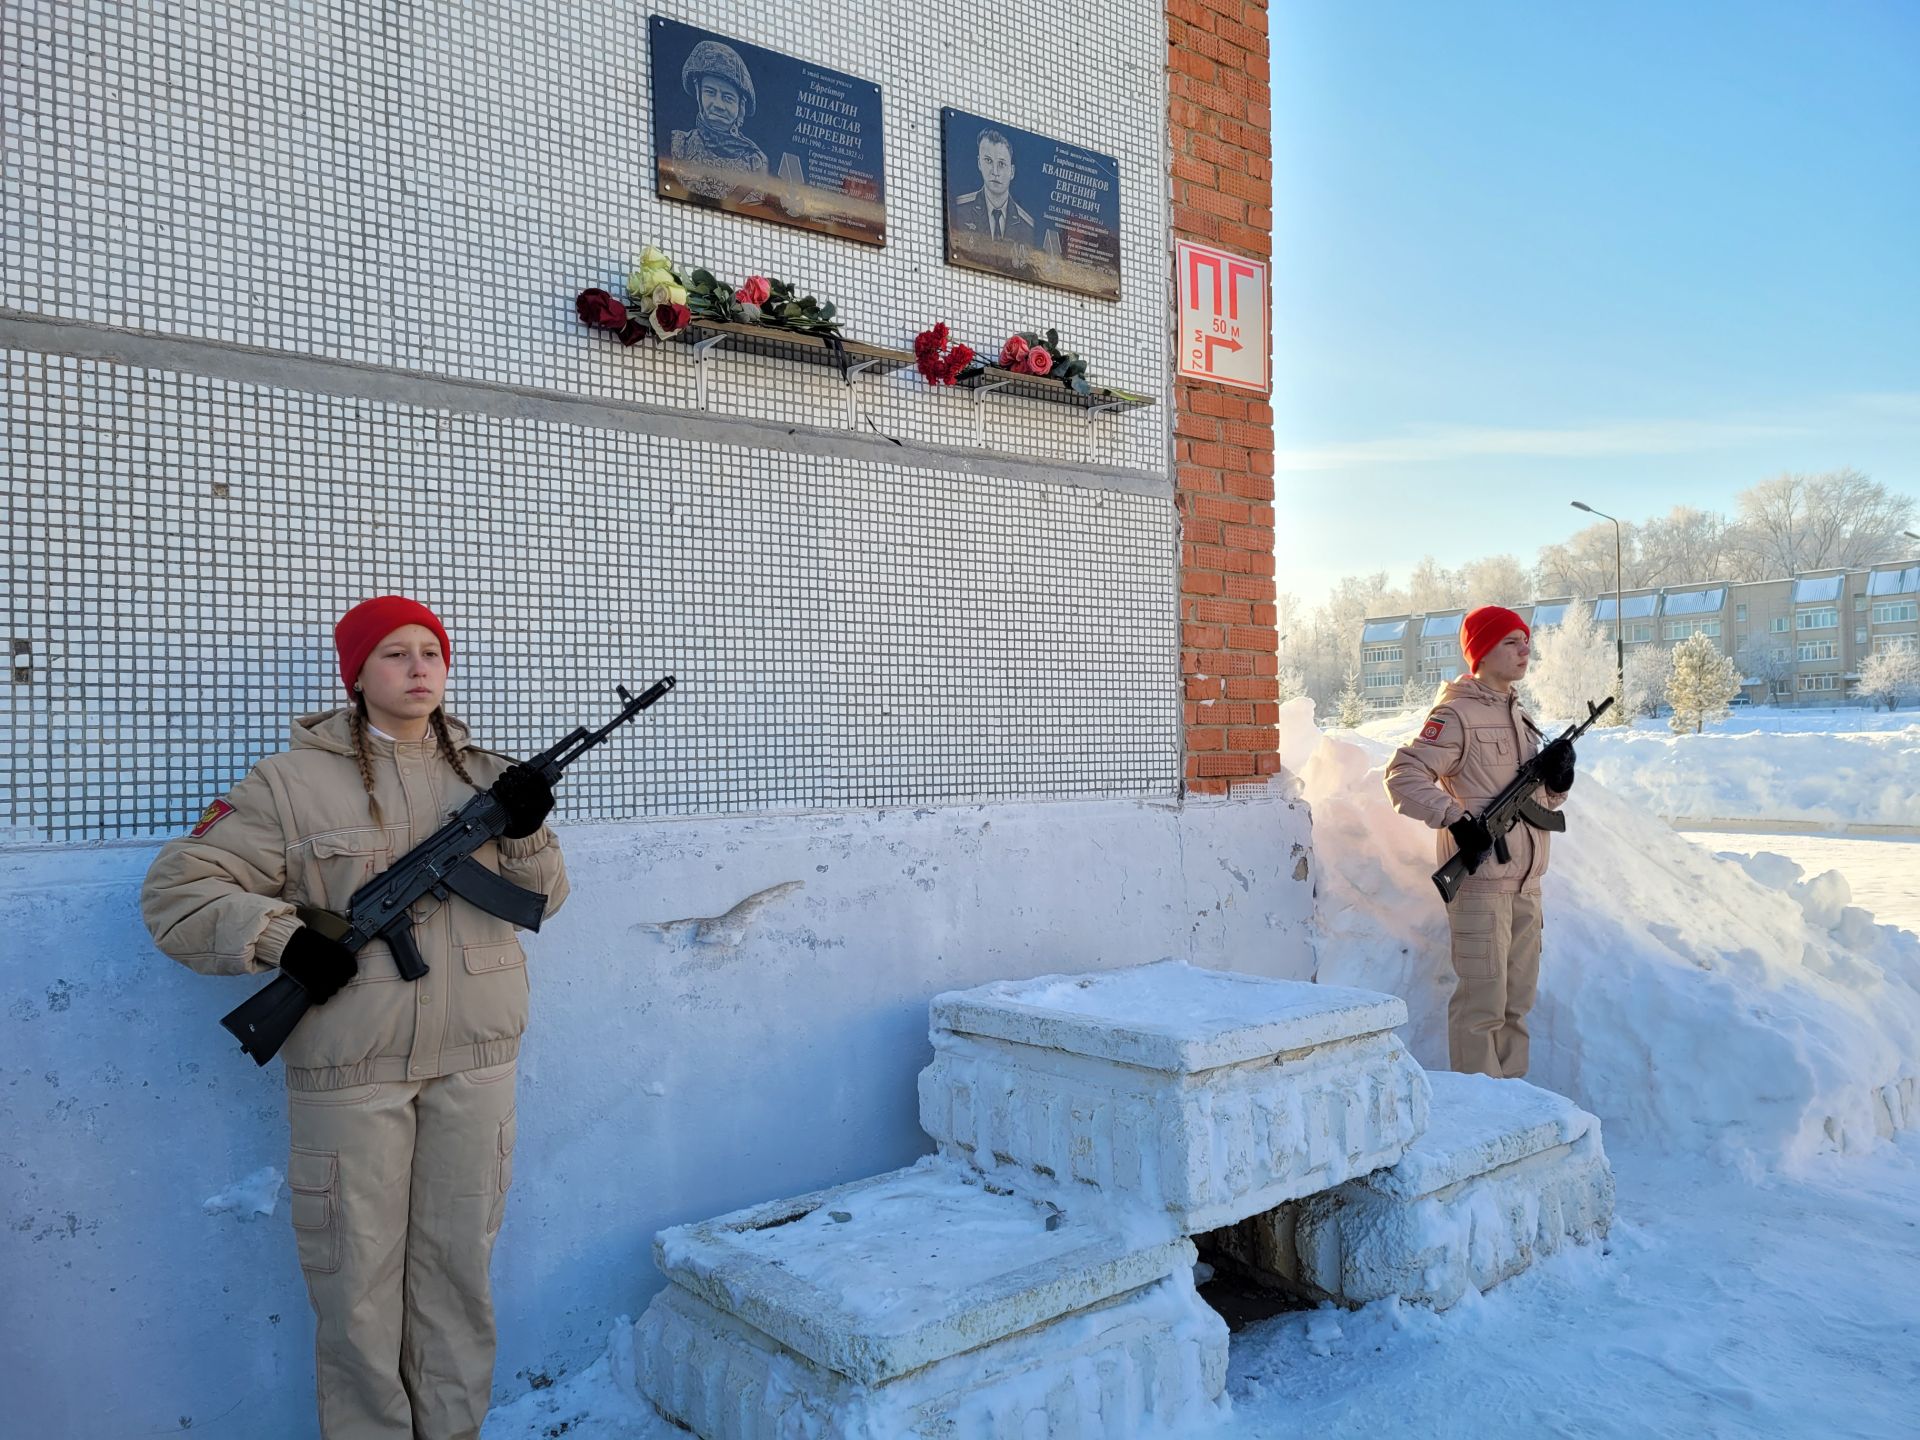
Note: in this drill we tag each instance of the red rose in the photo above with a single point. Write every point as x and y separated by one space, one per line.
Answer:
1013 354
754 292
1039 362
598 308
633 332
671 319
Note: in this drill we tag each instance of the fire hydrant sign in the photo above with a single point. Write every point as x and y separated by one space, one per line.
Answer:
1223 317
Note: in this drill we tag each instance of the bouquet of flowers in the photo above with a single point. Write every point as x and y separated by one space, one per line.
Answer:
761 301
658 302
1027 353
940 358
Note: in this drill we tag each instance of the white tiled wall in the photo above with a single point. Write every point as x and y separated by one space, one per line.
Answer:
424 188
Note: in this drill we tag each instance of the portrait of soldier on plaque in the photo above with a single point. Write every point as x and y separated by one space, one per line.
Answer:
715 157
1030 206
991 209
747 130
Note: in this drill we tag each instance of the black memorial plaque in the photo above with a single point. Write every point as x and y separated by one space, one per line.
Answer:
1037 209
755 132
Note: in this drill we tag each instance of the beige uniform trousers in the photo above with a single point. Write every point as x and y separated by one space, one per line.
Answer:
1496 967
398 1190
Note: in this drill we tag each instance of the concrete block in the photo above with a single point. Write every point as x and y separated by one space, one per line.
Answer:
928 1302
1147 1365
1197 1096
1505 1173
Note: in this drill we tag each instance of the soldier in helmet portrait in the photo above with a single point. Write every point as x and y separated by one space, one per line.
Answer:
715 158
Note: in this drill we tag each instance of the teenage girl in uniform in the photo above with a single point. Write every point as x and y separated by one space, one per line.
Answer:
400 1096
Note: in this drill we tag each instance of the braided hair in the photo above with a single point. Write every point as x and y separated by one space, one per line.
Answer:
363 758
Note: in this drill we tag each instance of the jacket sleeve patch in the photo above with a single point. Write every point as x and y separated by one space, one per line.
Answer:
210 817
1431 730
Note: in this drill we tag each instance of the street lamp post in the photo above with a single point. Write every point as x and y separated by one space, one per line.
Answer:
1619 615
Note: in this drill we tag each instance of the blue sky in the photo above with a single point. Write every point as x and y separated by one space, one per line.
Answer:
1638 254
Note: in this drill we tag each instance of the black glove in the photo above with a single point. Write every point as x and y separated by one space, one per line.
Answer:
1473 838
527 799
321 965
1556 766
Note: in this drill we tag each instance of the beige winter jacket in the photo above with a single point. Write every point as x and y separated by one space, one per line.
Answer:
1471 745
298 831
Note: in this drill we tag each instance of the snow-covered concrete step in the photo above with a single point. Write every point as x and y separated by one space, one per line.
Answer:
1505 1173
1198 1095
928 1303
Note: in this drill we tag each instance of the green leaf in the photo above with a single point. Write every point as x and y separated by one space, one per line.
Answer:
1079 386
1053 339
703 279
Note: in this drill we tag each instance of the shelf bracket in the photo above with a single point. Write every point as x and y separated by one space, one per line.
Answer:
859 367
701 349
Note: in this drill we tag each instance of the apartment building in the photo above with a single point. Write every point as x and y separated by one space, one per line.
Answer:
1798 641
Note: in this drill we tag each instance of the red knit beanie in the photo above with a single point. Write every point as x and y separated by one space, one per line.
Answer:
1485 628
371 621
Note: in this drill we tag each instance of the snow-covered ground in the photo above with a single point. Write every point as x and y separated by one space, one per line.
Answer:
1734 1021
1883 872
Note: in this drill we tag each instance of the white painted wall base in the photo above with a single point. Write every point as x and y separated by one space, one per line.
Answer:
728 1010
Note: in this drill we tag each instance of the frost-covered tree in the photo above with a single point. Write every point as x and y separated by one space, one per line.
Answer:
1352 705
1291 683
1702 682
1769 663
1573 663
1648 667
1890 677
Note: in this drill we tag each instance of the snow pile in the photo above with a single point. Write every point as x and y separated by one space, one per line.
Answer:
1847 778
1690 1001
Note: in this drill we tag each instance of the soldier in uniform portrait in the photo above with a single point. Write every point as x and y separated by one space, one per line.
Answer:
991 211
715 159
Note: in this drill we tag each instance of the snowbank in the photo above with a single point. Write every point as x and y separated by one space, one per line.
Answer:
1691 1002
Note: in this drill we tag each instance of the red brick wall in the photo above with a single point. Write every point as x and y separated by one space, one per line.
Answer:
1220 122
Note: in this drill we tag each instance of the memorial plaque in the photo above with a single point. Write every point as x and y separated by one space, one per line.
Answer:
1037 209
755 132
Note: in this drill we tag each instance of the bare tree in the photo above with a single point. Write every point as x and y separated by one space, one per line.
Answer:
1584 564
1496 580
1761 658
1889 677
1797 522
1687 546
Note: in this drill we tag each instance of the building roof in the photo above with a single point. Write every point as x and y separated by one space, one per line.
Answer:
1894 582
1633 607
1550 612
1380 631
1695 602
1816 589
1443 624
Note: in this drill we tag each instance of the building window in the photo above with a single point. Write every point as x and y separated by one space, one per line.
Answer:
1892 612
1381 655
1827 619
1779 623
1819 682
1437 648
1859 603
1681 629
1740 614
1392 680
1896 644
1860 635
1819 650
1780 654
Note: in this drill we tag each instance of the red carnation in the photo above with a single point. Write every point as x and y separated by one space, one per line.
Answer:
1013 353
600 309
1039 362
958 358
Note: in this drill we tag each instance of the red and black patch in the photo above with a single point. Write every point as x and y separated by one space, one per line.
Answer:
210 817
1431 730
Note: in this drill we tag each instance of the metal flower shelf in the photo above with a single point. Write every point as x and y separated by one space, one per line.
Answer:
848 357
994 381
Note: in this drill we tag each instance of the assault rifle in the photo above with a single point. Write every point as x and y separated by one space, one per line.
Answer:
1510 807
440 865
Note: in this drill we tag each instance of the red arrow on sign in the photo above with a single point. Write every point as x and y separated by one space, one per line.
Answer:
1223 344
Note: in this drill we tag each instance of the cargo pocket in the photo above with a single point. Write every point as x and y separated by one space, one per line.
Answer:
499 1212
314 1178
339 863
1475 954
